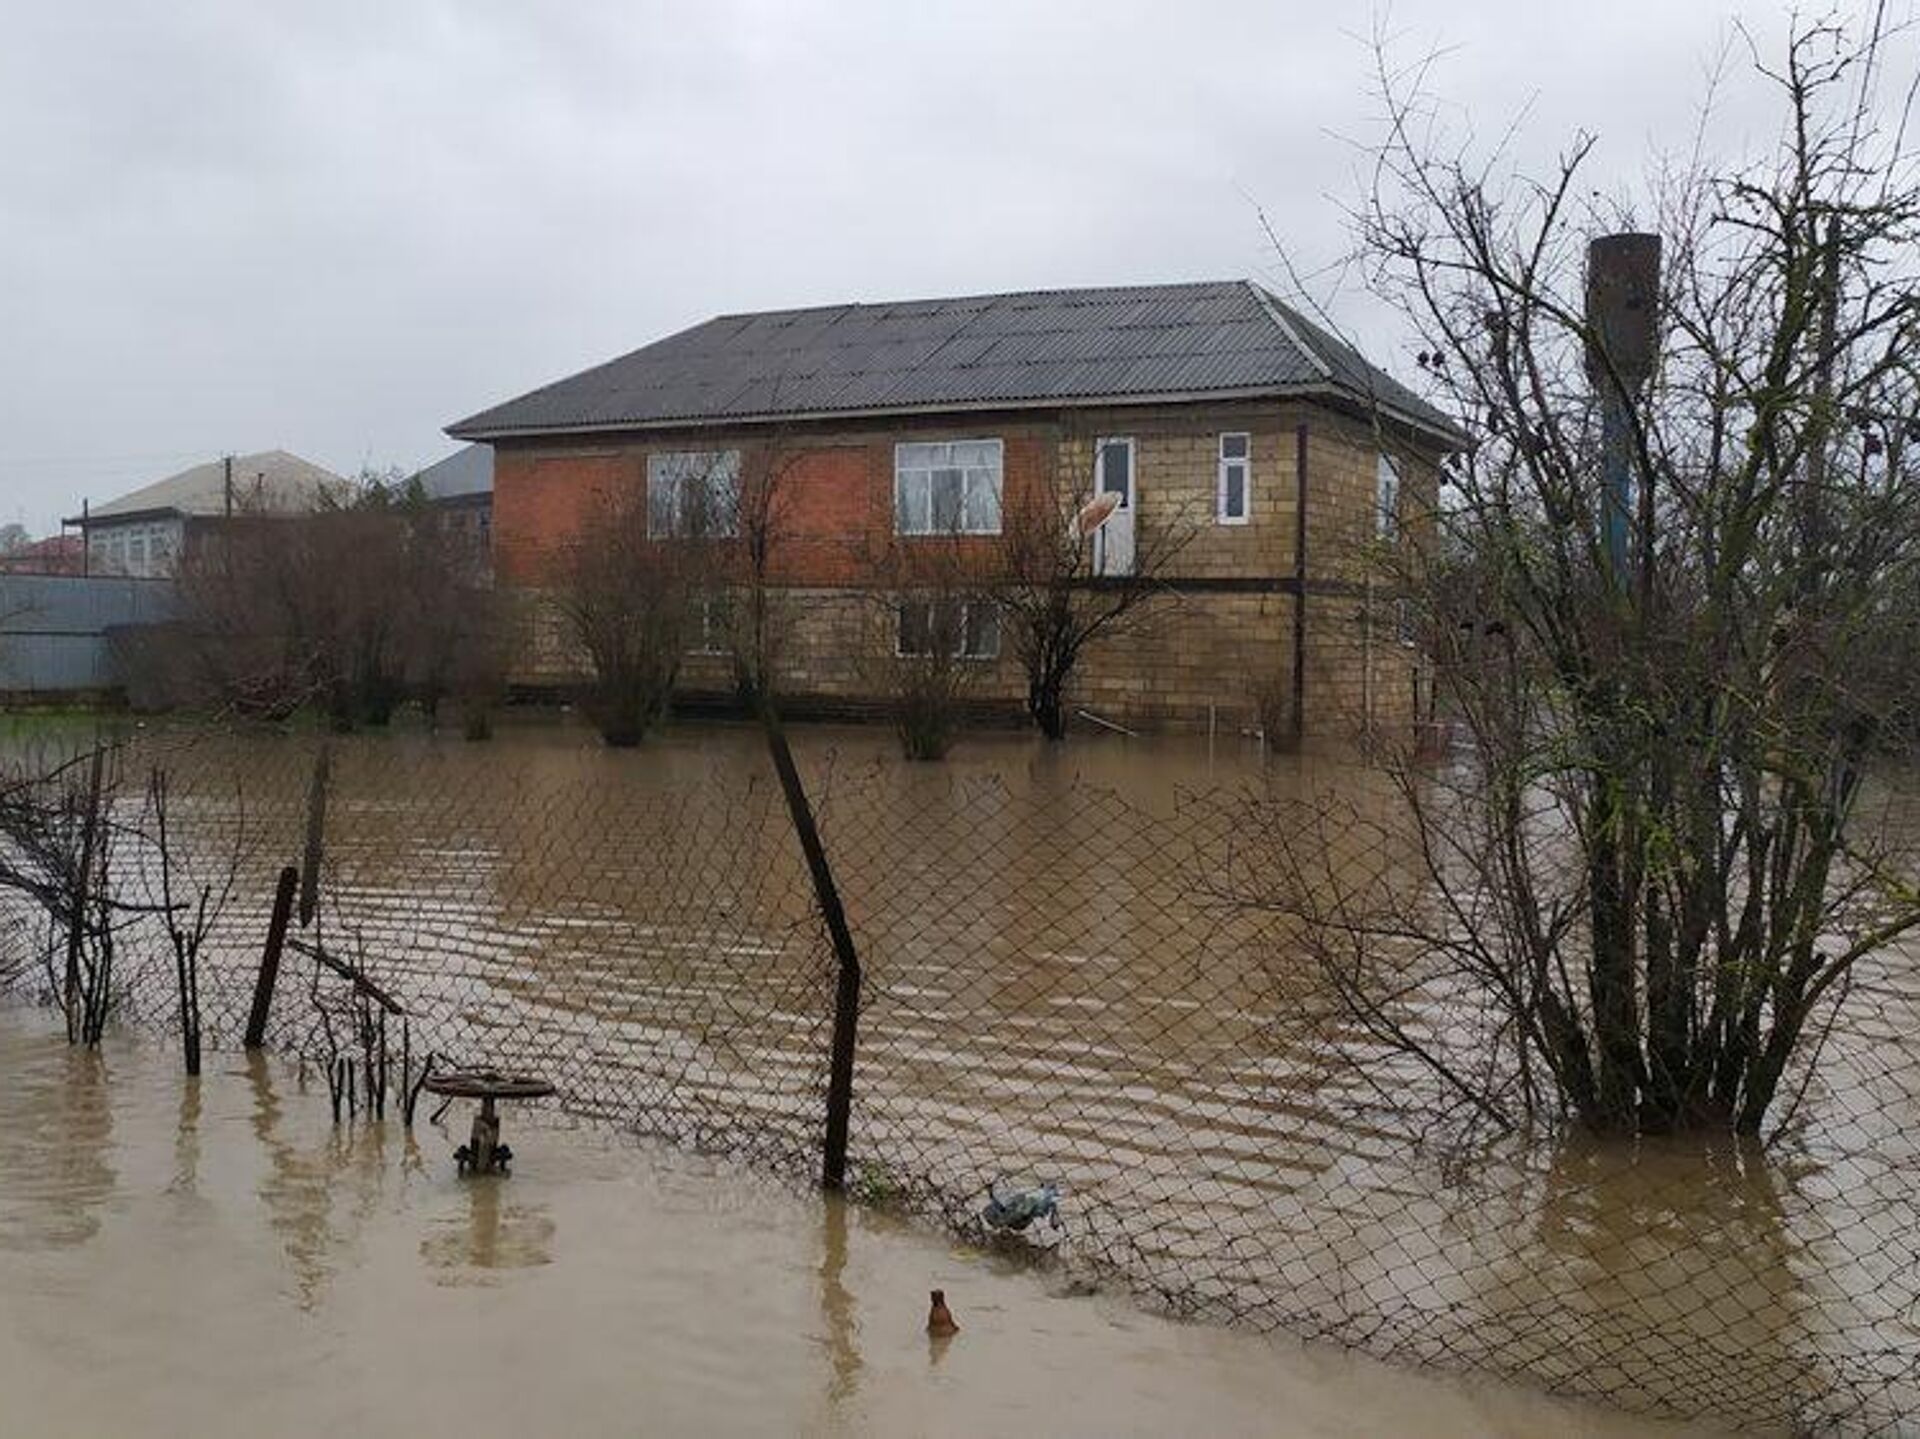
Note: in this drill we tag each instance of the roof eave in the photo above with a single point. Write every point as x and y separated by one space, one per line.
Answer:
95 520
470 430
1443 437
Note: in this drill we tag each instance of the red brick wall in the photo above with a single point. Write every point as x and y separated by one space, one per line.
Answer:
834 496
542 497
826 503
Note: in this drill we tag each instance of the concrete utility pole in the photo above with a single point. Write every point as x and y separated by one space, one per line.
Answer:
1623 301
229 486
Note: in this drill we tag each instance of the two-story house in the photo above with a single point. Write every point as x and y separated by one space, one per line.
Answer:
1213 407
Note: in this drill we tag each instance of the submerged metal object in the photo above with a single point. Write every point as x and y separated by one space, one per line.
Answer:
483 1153
1020 1207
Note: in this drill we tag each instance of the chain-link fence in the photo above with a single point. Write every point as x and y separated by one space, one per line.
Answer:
1058 989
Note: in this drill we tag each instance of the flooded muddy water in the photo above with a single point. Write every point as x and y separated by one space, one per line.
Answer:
215 1257
1044 999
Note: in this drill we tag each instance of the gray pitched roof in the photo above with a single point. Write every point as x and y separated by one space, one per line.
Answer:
1036 348
272 481
468 471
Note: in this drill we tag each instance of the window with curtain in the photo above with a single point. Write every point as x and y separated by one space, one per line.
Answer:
947 488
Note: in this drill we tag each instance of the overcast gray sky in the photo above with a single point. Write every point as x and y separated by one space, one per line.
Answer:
336 228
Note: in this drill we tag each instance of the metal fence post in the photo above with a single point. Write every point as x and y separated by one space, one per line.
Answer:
316 836
846 995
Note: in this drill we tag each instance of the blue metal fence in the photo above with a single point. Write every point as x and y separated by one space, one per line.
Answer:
54 628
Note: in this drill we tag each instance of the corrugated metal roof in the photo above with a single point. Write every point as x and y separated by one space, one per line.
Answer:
1052 347
467 471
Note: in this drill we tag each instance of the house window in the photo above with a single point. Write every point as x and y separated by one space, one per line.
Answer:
1387 507
966 629
693 492
950 488
1236 463
712 625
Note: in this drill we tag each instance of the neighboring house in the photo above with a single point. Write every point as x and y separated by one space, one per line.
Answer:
1209 404
55 555
460 489
144 533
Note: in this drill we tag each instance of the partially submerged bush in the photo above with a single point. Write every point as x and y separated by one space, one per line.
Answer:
941 643
353 609
626 596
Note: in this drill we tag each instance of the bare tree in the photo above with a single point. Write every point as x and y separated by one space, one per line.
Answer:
352 609
285 611
1642 894
479 664
1056 601
756 609
188 920
935 619
632 579
452 623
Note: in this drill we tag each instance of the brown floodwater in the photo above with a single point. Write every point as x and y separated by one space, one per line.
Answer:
1046 999
216 1257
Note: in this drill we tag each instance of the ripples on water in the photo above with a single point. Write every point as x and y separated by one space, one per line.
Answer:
245 1267
1045 1000
58 1126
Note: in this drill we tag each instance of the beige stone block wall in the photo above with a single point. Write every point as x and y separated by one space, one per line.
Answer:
1177 462
1217 646
1195 654
1196 660
1362 681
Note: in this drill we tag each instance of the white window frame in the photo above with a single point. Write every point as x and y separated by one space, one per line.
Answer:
670 471
915 462
1386 498
159 549
1245 463
1101 445
968 609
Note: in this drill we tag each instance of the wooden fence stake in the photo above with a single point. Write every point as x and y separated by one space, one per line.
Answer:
270 956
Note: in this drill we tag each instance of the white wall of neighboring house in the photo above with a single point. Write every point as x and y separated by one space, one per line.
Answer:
144 549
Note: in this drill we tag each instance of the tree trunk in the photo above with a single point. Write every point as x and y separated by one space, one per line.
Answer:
1047 705
1611 977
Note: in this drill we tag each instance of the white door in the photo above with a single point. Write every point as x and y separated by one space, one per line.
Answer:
1113 473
